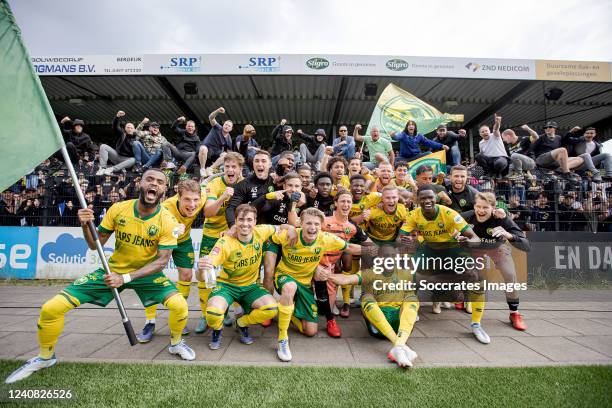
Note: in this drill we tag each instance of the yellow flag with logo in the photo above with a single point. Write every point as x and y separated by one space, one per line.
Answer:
396 106
435 160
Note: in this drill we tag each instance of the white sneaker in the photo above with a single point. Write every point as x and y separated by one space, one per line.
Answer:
412 355
30 367
435 308
335 310
183 350
108 171
400 356
480 334
284 354
447 305
100 171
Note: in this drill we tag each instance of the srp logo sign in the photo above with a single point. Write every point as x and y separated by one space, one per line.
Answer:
185 63
18 247
262 64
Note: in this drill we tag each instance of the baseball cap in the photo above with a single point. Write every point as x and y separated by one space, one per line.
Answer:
551 123
441 127
154 124
320 132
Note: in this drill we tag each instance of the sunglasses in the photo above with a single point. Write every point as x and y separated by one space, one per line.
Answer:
343 130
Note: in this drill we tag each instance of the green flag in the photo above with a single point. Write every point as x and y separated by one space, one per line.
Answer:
396 106
28 131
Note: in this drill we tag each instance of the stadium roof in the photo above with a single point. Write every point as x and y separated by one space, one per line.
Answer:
328 96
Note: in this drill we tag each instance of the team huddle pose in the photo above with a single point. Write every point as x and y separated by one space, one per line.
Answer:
278 245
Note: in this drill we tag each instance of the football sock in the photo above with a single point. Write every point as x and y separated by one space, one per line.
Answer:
51 322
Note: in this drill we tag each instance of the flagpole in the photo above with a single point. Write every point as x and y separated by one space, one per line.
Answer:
127 325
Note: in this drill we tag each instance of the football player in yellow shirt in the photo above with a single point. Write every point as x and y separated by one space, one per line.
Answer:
402 176
240 260
295 272
336 167
185 207
388 313
384 223
442 229
219 193
145 235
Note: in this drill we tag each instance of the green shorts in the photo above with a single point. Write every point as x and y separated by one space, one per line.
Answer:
392 314
182 255
207 244
305 304
243 295
91 288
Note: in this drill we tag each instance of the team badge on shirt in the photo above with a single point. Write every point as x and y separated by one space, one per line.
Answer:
153 230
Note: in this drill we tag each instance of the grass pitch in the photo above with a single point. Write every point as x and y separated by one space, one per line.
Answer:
172 385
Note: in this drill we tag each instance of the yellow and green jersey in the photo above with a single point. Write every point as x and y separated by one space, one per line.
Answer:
241 260
383 226
344 182
367 201
300 261
215 225
390 288
172 205
403 183
138 239
441 228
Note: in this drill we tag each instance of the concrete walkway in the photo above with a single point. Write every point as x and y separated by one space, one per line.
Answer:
560 332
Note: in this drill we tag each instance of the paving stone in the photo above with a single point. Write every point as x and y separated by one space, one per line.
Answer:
601 344
562 350
504 351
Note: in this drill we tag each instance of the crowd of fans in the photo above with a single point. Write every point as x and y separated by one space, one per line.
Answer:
547 182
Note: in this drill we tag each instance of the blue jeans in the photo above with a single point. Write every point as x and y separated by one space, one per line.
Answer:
142 156
455 154
347 150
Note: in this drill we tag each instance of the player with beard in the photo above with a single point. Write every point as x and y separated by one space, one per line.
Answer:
253 187
496 236
442 230
461 194
145 235
321 196
185 207
295 272
279 207
385 177
385 221
218 194
339 225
